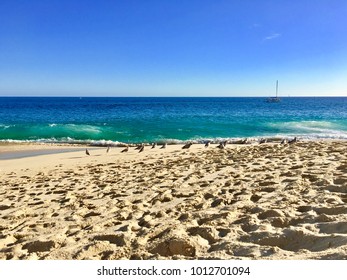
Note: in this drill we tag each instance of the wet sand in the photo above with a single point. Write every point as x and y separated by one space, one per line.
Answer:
266 201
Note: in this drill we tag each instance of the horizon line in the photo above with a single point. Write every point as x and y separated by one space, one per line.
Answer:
174 96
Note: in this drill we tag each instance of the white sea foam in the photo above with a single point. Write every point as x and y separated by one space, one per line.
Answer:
198 140
67 140
312 136
311 129
5 126
77 128
305 124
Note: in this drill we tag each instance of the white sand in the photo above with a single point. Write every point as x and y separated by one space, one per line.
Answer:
245 202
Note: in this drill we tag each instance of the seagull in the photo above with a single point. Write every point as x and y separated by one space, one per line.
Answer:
187 146
87 152
125 150
293 141
154 145
221 145
108 149
138 147
207 144
164 146
142 148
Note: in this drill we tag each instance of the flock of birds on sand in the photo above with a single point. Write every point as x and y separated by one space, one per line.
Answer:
221 145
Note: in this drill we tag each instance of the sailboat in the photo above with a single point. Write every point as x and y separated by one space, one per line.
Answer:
274 99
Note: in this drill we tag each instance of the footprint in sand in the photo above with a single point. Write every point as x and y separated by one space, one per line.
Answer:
39 246
295 240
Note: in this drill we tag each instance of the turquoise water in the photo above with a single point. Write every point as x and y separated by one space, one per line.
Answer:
133 120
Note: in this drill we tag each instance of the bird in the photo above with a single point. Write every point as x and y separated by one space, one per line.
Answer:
164 146
138 147
207 144
142 148
187 146
293 141
87 152
125 150
108 149
221 145
154 145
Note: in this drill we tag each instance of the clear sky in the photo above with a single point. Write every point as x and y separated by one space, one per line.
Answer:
173 48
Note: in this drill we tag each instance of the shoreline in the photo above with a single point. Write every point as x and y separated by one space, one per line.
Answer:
253 201
212 140
10 150
8 155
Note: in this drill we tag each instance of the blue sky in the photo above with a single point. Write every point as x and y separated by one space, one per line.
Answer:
173 48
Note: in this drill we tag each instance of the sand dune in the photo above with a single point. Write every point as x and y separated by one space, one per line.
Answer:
266 201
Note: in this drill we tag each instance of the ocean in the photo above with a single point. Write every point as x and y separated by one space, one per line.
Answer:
116 120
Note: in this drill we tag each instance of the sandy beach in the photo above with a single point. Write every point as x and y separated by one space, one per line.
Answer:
267 201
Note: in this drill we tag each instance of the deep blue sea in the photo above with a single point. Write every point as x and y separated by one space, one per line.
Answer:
116 120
